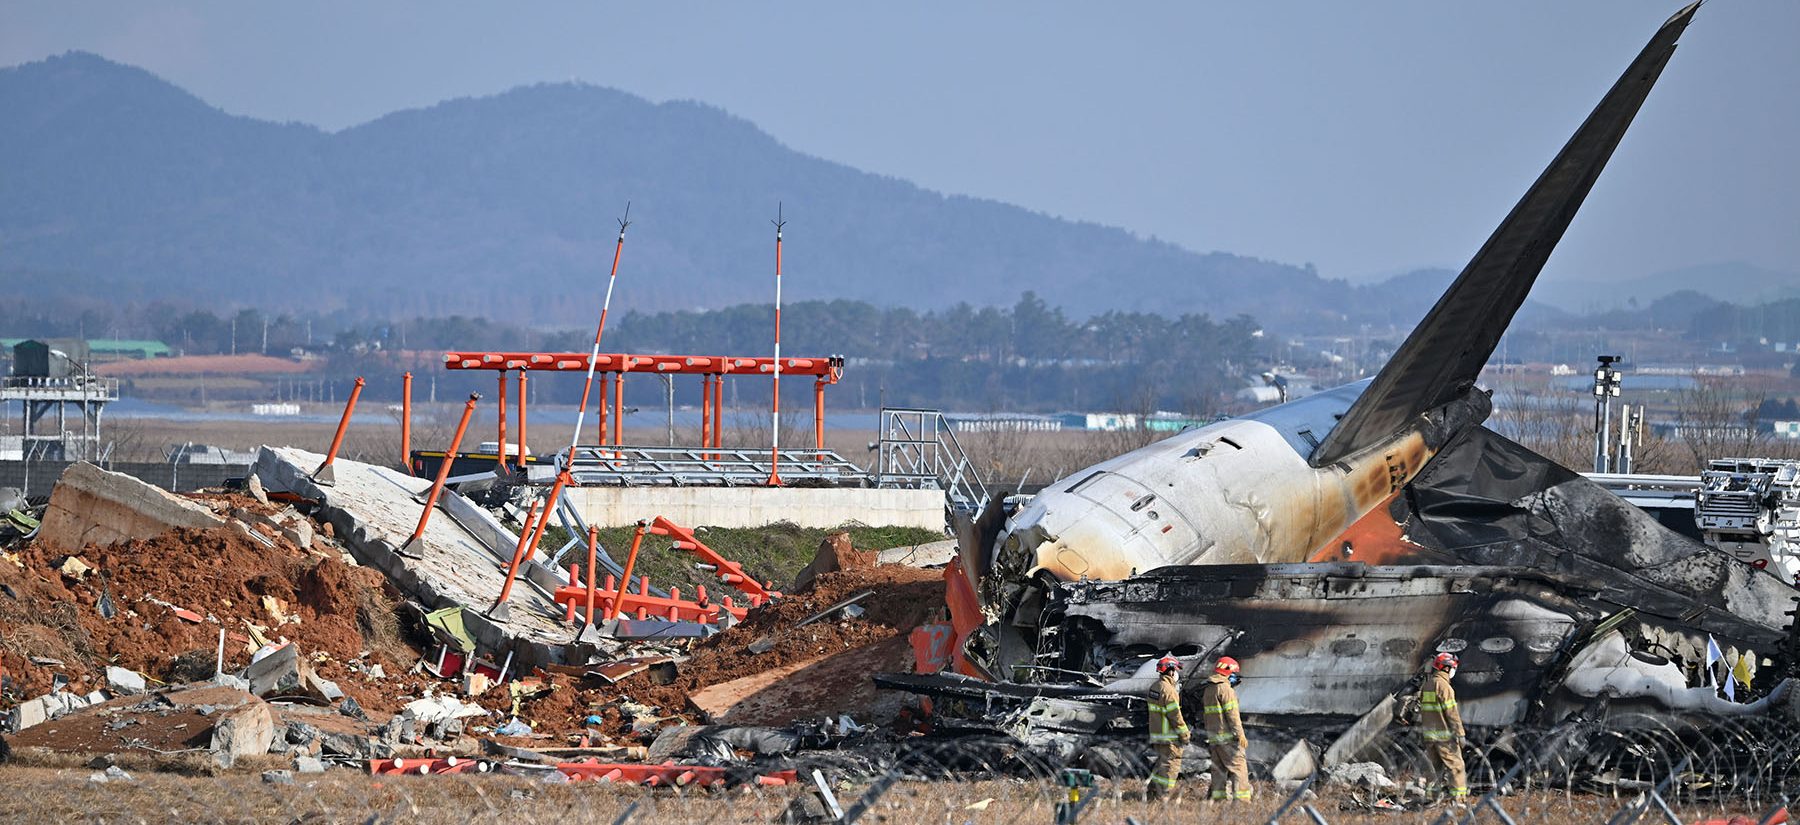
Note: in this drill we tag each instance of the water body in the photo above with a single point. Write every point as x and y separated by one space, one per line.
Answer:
685 418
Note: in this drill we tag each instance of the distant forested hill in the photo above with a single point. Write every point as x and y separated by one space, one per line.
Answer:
118 184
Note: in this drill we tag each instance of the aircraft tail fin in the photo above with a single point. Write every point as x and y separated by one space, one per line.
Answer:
1444 355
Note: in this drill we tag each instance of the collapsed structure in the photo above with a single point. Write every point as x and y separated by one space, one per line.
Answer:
1334 544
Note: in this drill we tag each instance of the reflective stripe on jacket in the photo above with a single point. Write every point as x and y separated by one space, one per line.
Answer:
1166 724
1439 719
1220 712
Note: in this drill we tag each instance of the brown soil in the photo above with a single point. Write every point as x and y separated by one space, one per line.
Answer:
904 598
218 573
347 613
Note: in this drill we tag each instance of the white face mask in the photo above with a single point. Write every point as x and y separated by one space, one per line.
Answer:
1451 673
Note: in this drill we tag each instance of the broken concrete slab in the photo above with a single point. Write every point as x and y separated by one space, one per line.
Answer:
322 688
247 730
123 682
28 714
277 673
465 550
930 554
94 506
253 486
351 745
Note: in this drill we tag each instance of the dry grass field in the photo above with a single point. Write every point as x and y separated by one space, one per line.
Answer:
70 795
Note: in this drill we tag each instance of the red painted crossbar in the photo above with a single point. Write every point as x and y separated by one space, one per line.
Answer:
666 774
730 572
423 766
671 607
829 368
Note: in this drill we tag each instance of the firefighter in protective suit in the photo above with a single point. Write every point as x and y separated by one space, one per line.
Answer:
1168 731
1225 733
1441 724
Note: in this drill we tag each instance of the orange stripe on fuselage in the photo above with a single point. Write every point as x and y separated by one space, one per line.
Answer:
1374 539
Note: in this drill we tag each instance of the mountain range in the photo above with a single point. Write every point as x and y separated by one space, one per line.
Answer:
119 184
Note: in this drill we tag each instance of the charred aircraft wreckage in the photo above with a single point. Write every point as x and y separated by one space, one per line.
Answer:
1335 543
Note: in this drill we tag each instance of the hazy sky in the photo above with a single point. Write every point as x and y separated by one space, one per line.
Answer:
1364 137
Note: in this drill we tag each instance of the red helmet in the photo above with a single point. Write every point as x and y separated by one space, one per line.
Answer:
1226 665
1445 661
1167 664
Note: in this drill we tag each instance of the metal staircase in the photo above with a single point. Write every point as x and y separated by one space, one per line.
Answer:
919 450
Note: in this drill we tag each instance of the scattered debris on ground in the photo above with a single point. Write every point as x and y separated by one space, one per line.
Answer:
226 628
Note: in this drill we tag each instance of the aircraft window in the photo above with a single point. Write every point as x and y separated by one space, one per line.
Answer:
1496 644
1397 647
1294 649
1546 643
1085 481
1349 647
1452 646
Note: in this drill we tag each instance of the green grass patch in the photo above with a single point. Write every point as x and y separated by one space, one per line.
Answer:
772 552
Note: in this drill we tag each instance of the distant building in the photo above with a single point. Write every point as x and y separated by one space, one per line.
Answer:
1003 422
1786 429
60 402
101 350
1110 422
1168 422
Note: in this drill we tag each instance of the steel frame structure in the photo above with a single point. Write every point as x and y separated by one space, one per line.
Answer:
613 367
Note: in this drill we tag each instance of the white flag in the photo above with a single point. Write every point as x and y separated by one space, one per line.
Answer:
1713 654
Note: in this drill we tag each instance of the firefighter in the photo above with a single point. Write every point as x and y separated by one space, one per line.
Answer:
1442 725
1168 731
1225 732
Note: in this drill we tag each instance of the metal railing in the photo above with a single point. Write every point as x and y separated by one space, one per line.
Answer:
919 449
709 467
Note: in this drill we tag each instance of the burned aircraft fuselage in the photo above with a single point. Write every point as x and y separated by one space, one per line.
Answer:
1186 545
1331 639
1235 492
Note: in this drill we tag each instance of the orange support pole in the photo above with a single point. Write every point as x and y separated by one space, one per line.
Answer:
406 422
637 540
324 474
512 570
705 411
521 420
718 413
619 410
501 448
819 416
416 543
563 479
605 405
593 553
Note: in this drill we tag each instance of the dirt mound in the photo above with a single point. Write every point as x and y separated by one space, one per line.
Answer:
835 553
903 598
221 575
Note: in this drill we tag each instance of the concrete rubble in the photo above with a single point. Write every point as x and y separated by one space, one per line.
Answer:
94 506
314 637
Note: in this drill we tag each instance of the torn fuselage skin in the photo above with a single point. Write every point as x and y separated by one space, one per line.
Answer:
1234 492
